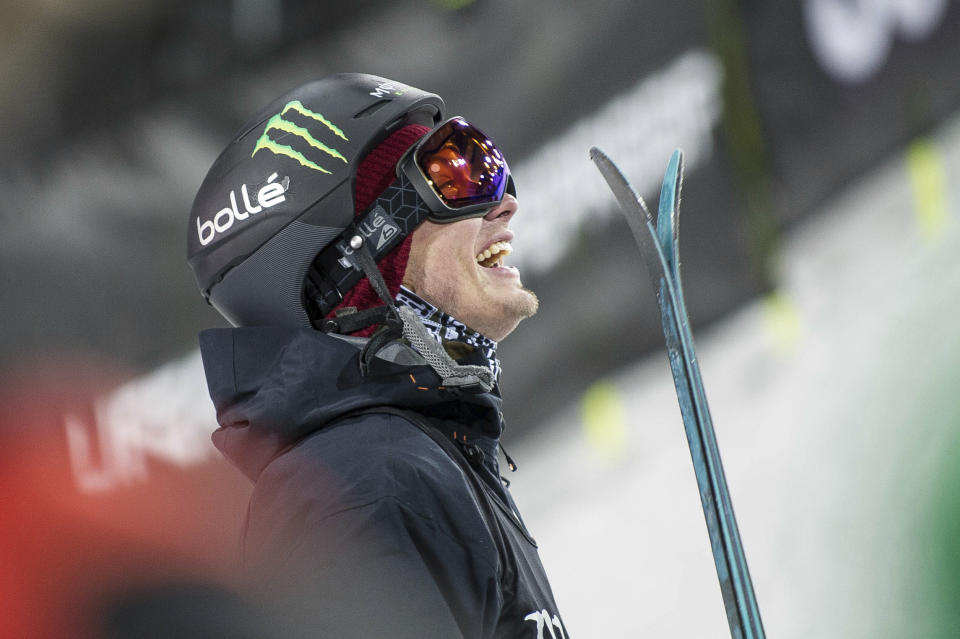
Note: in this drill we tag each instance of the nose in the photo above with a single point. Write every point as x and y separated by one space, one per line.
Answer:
503 211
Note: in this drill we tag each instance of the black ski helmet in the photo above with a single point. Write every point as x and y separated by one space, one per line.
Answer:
283 190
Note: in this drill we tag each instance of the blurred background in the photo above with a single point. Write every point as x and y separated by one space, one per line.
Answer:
819 242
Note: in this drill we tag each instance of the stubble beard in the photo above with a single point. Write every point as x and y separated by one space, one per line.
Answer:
528 305
495 320
509 312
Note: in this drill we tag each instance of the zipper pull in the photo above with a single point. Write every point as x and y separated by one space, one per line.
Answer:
503 427
510 463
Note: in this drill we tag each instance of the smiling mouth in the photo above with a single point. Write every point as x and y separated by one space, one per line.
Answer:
494 254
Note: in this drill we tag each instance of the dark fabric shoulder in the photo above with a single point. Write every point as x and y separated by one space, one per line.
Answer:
364 458
372 500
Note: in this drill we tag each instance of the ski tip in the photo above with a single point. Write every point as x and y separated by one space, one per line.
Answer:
676 160
603 162
630 202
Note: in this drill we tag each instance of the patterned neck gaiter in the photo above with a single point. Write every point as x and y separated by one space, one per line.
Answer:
463 344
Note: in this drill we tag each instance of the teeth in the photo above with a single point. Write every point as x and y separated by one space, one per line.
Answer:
497 248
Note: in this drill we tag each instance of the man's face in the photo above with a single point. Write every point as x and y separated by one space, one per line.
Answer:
444 270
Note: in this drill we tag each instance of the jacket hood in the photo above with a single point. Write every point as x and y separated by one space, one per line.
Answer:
273 386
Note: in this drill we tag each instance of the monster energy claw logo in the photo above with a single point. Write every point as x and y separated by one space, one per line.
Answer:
278 123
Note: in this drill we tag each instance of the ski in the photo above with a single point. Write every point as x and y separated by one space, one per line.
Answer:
659 248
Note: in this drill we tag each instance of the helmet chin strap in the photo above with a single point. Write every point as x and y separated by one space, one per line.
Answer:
404 322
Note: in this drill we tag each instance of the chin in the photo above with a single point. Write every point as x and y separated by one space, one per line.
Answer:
527 304
511 310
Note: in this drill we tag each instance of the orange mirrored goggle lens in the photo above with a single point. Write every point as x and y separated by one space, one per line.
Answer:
462 165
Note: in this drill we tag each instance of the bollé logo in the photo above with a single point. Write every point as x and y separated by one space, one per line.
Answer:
268 195
377 220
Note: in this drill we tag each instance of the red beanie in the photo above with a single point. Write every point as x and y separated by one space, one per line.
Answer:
376 172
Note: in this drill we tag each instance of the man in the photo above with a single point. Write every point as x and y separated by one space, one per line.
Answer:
357 241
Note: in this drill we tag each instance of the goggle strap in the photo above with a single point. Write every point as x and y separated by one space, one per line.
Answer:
394 215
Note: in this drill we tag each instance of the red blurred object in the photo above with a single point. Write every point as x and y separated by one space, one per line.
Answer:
66 554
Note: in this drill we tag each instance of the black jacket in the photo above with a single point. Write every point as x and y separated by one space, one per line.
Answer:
366 519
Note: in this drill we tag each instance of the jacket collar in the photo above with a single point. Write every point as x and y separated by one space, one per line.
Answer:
273 386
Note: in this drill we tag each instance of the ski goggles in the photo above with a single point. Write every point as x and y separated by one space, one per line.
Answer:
457 171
